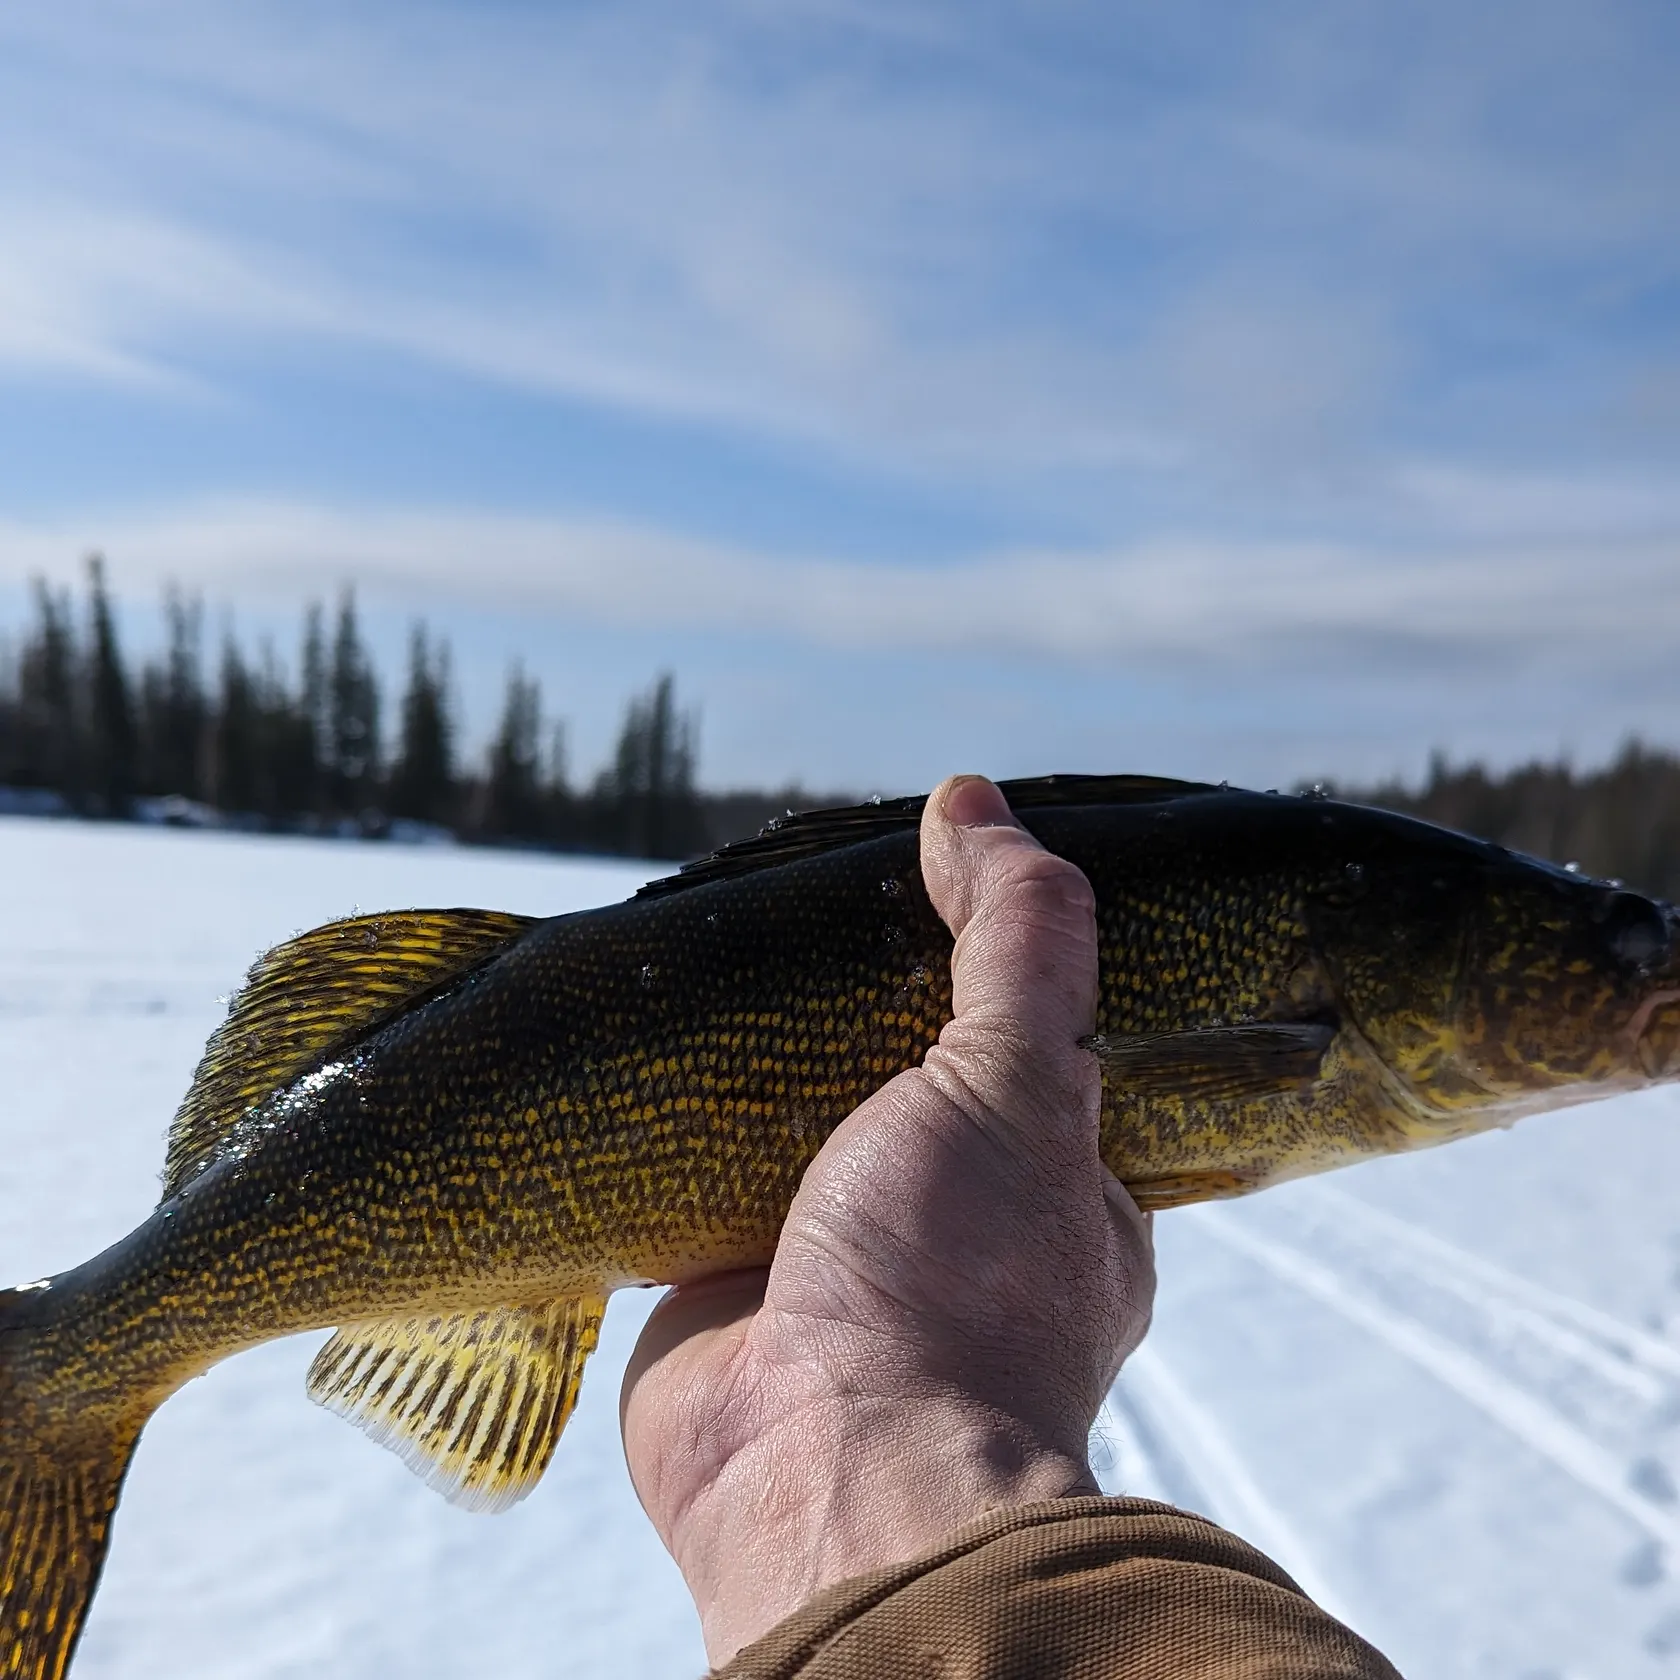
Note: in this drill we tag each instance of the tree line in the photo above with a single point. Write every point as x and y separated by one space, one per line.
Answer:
238 738
1621 822
317 750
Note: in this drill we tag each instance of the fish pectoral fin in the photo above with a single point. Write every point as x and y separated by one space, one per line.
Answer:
1155 1195
313 995
1261 1059
473 1403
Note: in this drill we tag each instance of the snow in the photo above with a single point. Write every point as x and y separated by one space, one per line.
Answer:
1441 1390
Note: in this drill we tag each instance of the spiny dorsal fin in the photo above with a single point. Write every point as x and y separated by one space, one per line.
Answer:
473 1403
313 995
807 833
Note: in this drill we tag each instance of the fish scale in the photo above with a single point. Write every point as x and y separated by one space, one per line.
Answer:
451 1134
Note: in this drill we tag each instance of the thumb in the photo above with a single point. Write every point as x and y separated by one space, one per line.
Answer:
1024 966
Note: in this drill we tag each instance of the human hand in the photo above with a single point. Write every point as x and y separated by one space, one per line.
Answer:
956 1285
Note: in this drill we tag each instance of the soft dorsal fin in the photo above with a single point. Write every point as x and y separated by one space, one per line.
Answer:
313 995
472 1403
806 833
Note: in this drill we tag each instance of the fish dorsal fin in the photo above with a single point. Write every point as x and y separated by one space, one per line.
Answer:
313 995
472 1403
805 834
1214 1064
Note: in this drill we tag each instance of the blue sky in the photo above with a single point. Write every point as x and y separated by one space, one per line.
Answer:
1231 391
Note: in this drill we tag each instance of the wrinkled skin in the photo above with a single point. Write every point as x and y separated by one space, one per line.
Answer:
956 1285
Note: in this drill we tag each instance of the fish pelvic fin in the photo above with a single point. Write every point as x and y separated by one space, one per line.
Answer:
473 1403
59 1483
313 996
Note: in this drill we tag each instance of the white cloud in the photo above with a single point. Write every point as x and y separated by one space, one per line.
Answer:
1257 606
915 237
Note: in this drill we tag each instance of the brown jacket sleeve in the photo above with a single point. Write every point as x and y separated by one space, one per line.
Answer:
1079 1589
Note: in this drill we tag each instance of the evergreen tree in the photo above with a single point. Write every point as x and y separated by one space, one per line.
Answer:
48 751
113 740
513 795
353 702
290 739
423 777
562 820
650 789
11 715
314 731
174 708
237 743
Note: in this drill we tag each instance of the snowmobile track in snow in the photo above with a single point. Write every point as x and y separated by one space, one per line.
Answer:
1620 1353
1525 1415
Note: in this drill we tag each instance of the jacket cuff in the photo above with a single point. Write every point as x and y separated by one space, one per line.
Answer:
1073 1589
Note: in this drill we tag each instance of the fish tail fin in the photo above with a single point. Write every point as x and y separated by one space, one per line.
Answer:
59 1483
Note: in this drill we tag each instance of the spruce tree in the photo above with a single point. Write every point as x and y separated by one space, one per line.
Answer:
174 709
650 788
423 777
113 740
236 746
513 803
49 737
313 742
353 700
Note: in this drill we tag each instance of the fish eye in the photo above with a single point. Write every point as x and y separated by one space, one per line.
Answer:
1637 930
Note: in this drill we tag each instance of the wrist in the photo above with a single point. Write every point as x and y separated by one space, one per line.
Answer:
840 1487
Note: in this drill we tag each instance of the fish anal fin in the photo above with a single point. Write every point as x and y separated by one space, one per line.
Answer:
472 1403
313 995
1233 1064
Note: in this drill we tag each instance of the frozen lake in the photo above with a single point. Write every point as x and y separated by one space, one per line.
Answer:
1441 1390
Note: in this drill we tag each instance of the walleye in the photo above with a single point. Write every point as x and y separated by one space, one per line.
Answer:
451 1134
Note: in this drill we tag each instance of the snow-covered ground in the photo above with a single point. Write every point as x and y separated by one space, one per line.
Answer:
1440 1390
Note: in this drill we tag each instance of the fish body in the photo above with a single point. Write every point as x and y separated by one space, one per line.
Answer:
452 1135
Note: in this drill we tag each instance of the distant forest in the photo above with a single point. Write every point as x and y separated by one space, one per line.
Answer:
1621 822
234 739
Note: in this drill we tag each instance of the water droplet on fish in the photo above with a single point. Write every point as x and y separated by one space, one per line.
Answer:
1224 787
649 974
370 938
1355 872
892 887
873 799
1316 791
1572 868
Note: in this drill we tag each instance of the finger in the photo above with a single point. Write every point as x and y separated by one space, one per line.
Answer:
690 1320
1024 967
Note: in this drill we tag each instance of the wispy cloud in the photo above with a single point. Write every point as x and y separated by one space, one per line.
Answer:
1511 604
1114 239
1315 365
